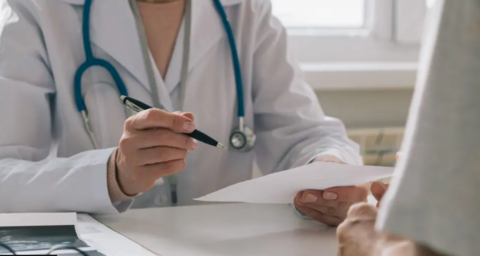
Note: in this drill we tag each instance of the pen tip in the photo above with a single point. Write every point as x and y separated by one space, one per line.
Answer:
123 97
219 145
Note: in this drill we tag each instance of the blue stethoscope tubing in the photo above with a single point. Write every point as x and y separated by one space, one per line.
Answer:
236 62
240 139
92 61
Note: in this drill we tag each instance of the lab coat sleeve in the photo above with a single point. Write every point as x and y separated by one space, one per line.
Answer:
434 196
291 127
30 180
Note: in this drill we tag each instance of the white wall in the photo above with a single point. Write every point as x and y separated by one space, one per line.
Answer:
367 108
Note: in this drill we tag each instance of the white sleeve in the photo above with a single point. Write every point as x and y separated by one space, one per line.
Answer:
290 124
29 180
434 198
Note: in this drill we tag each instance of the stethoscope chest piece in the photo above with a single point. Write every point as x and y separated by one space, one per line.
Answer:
243 140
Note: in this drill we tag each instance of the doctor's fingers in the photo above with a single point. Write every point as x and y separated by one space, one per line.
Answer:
314 197
153 172
354 194
185 114
158 155
328 208
156 118
319 216
158 138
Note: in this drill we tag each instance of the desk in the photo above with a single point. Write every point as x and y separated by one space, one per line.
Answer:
224 230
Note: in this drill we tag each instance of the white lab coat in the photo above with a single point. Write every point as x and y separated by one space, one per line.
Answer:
40 50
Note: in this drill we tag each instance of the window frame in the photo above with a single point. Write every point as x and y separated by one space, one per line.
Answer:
409 20
363 58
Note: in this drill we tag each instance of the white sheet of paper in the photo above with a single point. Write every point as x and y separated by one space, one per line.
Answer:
281 187
106 240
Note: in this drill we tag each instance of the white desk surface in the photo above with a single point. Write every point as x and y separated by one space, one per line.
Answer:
224 230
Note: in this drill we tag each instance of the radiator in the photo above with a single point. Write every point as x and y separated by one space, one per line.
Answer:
378 146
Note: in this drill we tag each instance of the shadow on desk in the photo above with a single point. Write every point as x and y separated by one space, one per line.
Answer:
225 229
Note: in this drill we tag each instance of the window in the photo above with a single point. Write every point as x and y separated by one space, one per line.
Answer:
392 18
352 43
321 13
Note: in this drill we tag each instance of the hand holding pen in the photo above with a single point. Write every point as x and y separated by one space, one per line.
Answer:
152 148
139 106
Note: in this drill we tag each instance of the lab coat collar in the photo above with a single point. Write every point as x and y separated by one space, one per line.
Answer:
113 29
207 30
224 2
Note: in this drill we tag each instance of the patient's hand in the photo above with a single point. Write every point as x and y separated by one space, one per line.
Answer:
357 235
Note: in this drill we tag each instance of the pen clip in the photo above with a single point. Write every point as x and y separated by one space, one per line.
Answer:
133 107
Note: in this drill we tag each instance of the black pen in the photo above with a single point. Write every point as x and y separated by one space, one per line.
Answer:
138 106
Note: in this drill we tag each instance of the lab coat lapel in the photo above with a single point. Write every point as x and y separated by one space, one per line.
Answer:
113 29
207 30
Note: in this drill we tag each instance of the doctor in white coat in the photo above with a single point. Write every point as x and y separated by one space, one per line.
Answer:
48 161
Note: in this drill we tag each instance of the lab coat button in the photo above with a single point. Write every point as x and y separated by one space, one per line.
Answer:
161 200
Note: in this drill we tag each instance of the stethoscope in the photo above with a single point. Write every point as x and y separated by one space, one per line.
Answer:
242 138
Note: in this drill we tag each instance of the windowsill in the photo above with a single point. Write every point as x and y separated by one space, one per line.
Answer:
360 76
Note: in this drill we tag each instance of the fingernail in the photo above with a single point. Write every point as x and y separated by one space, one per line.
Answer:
329 196
189 127
309 198
195 144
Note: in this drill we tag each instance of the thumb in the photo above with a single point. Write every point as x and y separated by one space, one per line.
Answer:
185 114
189 116
378 189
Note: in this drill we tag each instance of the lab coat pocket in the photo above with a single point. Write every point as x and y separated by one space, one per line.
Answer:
106 113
